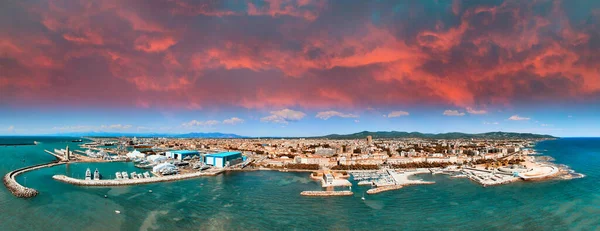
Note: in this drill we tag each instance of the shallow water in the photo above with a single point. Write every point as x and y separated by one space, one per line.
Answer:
264 200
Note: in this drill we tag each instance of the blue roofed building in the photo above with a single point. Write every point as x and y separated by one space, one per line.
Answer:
181 154
223 159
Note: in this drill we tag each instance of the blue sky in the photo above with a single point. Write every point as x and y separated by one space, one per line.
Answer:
252 123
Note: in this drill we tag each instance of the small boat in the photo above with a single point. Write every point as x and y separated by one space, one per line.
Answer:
125 175
96 175
363 197
88 174
117 212
147 175
134 175
118 176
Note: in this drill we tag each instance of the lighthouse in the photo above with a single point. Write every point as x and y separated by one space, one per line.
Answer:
67 154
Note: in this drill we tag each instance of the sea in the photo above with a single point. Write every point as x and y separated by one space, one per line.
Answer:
270 200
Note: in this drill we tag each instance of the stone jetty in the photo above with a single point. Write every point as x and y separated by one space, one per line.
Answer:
326 193
124 182
17 189
383 189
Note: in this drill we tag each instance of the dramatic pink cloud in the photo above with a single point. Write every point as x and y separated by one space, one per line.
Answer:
314 54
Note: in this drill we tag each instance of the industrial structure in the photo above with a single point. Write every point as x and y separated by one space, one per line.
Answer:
181 154
223 159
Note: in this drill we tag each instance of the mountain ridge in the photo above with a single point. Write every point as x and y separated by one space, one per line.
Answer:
357 135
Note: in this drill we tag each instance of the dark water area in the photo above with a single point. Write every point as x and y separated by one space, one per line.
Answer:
266 200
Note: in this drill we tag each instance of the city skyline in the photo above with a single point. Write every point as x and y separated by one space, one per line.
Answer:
299 68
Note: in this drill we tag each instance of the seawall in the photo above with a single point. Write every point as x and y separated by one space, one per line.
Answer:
17 189
125 182
326 193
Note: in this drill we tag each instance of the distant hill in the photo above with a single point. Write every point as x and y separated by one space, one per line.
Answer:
186 135
451 135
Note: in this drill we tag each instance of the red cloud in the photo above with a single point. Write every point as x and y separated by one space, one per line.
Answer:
285 53
149 44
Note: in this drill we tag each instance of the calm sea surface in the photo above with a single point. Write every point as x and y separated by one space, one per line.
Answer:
265 200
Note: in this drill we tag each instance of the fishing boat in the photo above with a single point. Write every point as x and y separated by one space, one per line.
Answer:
124 175
88 174
118 176
96 175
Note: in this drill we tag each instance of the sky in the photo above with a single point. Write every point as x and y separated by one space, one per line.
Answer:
299 67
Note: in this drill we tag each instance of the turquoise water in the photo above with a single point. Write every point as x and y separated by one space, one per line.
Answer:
271 200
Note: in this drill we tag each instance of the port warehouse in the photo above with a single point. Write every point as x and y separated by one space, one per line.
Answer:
181 154
221 159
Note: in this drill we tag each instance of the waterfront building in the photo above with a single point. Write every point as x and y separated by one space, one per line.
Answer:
223 159
181 154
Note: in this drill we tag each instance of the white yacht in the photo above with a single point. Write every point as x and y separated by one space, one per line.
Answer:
96 175
88 174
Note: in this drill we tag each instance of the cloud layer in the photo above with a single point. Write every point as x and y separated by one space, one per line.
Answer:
283 116
324 115
298 53
453 113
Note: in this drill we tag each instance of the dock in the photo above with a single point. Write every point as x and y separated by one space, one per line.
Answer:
326 193
59 157
125 182
383 189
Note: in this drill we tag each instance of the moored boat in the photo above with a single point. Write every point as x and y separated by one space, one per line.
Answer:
88 174
96 175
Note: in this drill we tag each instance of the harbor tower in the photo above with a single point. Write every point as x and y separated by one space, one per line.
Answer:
67 154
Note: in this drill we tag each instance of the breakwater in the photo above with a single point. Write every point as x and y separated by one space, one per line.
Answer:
383 189
124 182
17 189
326 193
18 144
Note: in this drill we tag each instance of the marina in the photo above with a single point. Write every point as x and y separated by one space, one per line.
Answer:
134 180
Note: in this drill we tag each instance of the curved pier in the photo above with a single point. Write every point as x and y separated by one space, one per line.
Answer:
125 182
17 189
